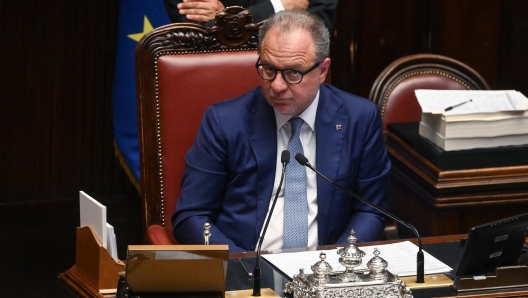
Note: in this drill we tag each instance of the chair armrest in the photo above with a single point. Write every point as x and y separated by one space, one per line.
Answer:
158 235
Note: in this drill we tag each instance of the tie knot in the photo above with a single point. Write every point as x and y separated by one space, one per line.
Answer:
296 124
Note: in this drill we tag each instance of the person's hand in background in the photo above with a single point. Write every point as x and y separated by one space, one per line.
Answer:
201 10
295 4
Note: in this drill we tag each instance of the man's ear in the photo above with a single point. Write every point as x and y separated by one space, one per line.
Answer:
325 69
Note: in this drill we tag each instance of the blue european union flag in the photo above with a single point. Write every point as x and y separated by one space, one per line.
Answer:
136 18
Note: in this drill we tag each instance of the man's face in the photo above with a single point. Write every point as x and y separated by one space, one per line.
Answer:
296 51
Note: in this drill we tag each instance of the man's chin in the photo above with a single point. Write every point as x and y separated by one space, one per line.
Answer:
283 109
281 106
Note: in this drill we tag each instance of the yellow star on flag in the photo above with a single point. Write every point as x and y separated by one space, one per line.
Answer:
147 27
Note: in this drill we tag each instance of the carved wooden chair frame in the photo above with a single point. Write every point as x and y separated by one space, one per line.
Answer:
234 30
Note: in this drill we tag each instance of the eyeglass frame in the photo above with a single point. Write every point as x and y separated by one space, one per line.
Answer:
303 73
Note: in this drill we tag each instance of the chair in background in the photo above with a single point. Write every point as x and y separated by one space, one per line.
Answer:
181 69
393 90
441 201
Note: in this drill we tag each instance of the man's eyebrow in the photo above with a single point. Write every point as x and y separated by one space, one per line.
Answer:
295 66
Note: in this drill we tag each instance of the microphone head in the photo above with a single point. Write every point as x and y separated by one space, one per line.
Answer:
285 156
301 159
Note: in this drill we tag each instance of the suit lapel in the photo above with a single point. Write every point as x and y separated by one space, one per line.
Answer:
264 144
330 133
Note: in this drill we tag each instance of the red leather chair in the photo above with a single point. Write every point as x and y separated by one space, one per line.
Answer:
393 90
181 69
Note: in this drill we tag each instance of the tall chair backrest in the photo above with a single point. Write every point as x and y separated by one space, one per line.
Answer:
181 69
393 90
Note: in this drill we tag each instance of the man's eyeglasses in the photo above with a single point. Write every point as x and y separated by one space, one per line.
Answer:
290 75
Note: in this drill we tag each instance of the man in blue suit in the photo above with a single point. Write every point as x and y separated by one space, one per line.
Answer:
233 168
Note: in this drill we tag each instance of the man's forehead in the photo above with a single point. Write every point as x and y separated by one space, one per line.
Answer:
281 32
296 43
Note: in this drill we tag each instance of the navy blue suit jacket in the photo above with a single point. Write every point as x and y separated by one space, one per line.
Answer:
230 170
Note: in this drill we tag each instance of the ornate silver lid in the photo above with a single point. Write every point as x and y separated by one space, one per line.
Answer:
350 257
321 270
351 251
377 266
322 267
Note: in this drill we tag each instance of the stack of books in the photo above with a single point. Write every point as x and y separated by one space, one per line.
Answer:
460 119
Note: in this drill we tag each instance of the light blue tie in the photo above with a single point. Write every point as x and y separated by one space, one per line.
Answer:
295 201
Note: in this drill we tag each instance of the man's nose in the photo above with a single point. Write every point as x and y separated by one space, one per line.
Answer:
279 84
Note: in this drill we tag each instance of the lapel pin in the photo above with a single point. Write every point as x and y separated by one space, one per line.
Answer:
338 126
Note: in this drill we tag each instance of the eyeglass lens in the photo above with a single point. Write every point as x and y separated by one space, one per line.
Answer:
289 75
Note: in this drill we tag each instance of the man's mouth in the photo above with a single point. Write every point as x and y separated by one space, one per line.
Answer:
280 98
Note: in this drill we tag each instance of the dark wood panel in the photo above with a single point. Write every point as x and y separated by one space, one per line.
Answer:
513 46
469 32
371 34
343 48
57 70
388 30
488 35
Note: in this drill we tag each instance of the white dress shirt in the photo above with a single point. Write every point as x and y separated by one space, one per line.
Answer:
273 238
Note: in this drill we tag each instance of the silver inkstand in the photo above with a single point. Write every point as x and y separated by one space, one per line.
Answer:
376 281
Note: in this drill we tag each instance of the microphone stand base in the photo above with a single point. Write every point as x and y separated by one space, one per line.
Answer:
264 293
430 281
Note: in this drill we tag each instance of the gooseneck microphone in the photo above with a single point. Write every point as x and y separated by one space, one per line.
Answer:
420 256
285 159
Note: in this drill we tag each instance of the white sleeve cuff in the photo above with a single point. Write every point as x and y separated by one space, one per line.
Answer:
277 5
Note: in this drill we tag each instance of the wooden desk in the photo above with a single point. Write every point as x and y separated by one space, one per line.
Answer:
446 248
440 202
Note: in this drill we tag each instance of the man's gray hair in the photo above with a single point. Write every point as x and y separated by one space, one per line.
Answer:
287 21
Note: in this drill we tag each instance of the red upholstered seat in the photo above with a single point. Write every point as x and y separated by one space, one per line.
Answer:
181 69
393 90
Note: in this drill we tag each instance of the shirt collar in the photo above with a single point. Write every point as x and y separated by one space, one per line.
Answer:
308 115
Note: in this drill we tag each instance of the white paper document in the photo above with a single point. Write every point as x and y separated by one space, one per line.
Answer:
111 241
470 101
93 214
401 259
